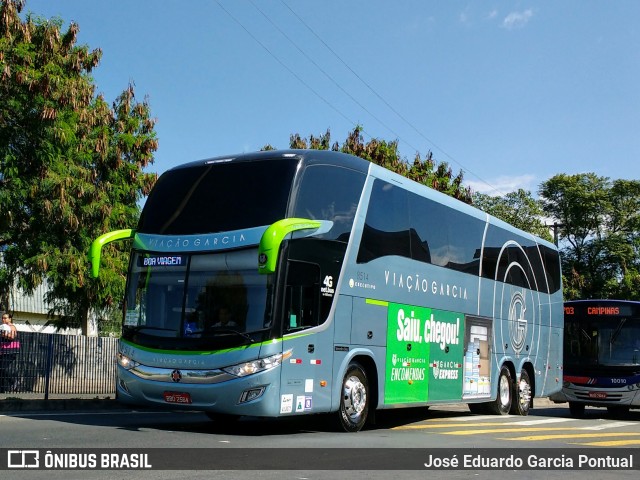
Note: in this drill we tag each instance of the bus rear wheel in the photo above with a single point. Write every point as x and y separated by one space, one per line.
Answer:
354 401
522 393
502 404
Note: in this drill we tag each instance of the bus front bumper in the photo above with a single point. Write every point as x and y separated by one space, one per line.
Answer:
599 397
253 395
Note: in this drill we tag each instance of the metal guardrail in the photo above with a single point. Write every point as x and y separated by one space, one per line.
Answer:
60 364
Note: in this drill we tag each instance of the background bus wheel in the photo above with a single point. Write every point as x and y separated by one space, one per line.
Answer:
502 404
576 409
522 395
354 402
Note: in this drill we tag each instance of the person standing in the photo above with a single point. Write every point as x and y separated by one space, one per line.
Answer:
9 348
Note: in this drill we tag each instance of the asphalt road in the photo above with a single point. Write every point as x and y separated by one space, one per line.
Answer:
177 439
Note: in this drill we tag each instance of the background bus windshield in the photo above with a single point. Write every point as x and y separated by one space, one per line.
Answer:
602 340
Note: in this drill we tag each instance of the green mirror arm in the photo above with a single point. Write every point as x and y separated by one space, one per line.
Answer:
96 246
273 236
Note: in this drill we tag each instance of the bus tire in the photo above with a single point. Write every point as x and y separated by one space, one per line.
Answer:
522 395
354 399
576 409
502 404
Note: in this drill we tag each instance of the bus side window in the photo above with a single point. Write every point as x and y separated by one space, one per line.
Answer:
302 296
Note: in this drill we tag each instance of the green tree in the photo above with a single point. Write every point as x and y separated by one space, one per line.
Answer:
599 224
517 208
422 170
71 167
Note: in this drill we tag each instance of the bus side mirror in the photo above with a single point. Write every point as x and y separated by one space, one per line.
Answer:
273 236
95 250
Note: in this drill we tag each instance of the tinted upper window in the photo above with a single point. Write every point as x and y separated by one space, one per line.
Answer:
520 261
330 193
452 238
403 223
386 230
551 262
218 197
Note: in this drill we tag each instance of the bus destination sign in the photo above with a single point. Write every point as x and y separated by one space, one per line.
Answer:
161 261
599 310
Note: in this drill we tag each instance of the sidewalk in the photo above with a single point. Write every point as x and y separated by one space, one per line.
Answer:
22 402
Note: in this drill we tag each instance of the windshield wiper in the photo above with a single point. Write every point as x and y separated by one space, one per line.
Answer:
615 334
137 328
297 329
232 331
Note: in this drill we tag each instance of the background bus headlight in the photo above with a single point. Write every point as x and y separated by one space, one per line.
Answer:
256 366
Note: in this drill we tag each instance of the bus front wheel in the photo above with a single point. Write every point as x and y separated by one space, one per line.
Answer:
522 397
354 402
502 404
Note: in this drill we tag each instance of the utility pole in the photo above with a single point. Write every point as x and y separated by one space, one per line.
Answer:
555 227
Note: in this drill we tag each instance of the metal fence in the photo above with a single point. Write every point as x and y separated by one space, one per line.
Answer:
60 364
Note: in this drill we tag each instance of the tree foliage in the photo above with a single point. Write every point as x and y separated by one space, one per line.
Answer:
423 170
71 166
599 226
517 208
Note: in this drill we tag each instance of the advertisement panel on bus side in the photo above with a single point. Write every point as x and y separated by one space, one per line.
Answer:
424 354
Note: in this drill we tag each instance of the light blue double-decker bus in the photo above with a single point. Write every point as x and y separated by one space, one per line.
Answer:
285 283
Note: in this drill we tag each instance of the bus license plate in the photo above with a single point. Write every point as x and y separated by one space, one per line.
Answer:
599 395
177 397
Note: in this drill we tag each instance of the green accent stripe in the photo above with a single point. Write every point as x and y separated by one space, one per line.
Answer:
298 335
380 303
190 352
211 352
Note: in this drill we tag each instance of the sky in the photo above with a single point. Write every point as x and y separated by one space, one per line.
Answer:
510 93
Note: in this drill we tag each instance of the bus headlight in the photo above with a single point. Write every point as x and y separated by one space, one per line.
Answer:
256 366
126 363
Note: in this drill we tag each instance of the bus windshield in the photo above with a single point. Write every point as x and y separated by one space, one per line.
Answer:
196 301
218 197
599 340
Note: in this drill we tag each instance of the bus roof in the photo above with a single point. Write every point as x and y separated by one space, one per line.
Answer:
601 301
331 157
309 156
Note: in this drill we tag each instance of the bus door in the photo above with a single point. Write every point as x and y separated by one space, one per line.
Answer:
554 370
306 375
477 362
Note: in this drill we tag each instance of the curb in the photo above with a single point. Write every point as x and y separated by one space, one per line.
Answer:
19 405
